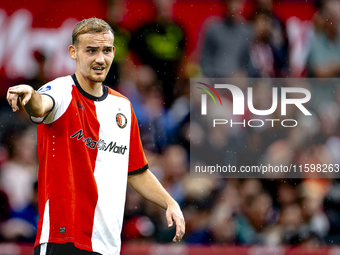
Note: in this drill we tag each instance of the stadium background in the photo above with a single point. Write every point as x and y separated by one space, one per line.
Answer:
224 216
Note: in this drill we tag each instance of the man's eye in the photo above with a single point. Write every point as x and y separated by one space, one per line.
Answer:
107 50
91 51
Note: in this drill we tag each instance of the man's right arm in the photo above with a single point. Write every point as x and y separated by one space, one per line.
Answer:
35 105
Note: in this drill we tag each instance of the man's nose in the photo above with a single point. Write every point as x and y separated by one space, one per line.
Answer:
100 58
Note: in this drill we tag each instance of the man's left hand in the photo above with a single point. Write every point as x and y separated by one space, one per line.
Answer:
174 213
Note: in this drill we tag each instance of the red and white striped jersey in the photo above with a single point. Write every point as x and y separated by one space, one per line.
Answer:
87 146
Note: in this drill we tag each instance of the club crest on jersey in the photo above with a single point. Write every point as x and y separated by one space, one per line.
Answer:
121 120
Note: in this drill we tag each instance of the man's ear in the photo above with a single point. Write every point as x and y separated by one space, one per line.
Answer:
72 52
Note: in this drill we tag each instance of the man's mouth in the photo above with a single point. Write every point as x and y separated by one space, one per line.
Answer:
98 69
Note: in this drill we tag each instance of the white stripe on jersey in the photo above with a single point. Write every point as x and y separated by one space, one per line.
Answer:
43 249
45 232
111 180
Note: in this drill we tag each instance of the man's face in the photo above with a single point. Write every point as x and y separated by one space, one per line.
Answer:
94 54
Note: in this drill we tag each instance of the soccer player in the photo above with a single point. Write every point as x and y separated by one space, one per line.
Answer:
89 147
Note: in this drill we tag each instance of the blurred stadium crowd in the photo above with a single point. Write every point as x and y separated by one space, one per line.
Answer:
152 70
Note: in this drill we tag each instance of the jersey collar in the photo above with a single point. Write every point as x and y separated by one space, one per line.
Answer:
87 95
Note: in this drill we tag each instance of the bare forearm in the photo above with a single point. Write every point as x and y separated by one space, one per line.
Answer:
147 185
34 107
34 104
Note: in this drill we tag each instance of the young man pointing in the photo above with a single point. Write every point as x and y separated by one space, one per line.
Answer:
89 147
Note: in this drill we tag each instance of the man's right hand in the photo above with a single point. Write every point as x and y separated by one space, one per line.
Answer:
13 94
35 105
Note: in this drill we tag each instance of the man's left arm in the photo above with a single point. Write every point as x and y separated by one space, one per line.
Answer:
147 185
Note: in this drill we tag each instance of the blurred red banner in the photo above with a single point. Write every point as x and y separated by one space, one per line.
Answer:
43 26
46 26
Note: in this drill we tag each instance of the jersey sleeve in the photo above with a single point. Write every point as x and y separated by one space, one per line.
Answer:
137 159
54 90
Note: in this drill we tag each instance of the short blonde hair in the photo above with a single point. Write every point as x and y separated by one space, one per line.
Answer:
86 26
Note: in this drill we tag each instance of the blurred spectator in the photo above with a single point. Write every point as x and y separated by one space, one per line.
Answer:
17 180
332 210
312 196
329 115
223 225
225 211
259 59
20 172
4 211
286 194
197 213
176 119
145 94
257 216
277 36
323 60
224 42
116 10
40 78
290 222
171 170
160 44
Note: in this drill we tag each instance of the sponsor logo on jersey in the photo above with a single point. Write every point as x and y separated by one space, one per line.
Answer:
44 89
101 144
121 120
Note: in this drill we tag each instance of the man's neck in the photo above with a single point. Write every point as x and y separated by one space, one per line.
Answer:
90 87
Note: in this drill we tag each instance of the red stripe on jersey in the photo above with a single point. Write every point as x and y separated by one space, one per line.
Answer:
63 157
137 159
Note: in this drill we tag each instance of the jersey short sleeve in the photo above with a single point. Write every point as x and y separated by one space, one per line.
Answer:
59 90
137 160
